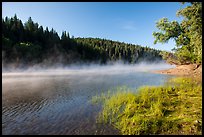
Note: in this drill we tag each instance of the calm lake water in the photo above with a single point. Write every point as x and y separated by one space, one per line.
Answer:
58 101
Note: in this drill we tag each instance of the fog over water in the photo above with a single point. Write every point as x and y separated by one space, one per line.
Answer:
92 69
39 100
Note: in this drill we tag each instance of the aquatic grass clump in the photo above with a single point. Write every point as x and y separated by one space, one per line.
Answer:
175 108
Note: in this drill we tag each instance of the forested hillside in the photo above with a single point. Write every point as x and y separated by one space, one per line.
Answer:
108 50
30 43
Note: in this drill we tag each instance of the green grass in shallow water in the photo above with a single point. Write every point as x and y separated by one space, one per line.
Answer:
175 108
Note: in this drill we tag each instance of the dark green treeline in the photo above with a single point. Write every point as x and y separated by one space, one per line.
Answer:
30 43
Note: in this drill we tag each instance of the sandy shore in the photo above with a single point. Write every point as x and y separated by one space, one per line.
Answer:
183 70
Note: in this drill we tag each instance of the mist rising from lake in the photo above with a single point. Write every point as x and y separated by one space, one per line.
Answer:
57 100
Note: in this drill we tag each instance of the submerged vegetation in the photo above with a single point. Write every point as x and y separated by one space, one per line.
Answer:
175 108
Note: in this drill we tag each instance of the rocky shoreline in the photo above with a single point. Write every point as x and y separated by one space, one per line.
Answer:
192 70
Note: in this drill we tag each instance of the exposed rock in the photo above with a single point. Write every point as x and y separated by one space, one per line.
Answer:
193 70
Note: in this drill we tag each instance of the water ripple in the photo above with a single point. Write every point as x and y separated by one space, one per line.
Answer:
60 105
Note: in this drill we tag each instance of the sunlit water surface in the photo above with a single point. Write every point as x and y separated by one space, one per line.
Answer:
58 101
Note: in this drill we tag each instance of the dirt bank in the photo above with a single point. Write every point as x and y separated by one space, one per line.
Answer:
184 70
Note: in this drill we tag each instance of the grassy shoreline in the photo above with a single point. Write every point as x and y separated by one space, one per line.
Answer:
174 108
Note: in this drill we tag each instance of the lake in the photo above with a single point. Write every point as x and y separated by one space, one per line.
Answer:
58 101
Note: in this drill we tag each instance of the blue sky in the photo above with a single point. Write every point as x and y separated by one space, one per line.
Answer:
130 22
